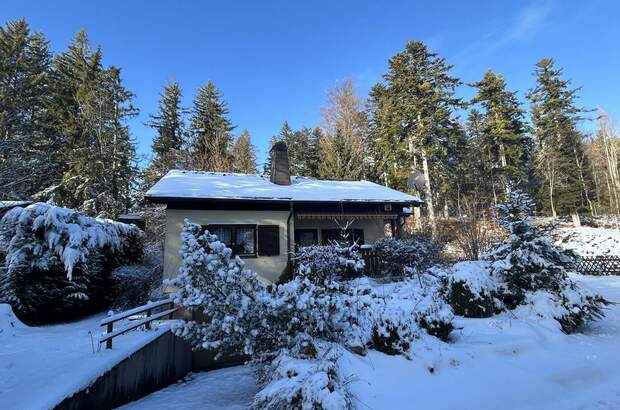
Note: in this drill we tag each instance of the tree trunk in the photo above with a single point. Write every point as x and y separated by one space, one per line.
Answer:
555 215
576 220
429 192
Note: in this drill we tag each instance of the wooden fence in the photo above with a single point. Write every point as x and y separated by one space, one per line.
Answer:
373 264
599 265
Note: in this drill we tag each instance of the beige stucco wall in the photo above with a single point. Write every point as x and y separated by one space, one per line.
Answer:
268 267
373 228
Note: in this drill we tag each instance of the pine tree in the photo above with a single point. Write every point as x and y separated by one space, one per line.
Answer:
312 152
502 137
412 120
303 150
169 143
210 131
28 160
560 161
342 146
267 164
90 107
244 154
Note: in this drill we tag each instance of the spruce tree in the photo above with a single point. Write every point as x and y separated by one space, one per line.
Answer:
210 131
268 160
560 162
169 143
244 154
28 160
502 138
413 126
90 107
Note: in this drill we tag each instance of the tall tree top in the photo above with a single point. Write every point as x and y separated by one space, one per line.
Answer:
210 112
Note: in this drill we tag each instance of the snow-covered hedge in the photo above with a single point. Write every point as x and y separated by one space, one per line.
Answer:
417 253
285 327
527 269
57 261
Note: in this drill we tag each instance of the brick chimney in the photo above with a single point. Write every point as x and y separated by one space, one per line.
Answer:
280 172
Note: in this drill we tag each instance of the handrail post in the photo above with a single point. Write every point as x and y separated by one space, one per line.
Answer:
171 306
148 324
110 328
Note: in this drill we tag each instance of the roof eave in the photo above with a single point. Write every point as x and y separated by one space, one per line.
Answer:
171 199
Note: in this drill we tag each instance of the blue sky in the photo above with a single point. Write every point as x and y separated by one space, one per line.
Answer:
275 60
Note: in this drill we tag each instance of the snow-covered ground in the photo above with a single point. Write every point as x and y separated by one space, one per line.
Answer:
225 389
499 362
40 366
589 241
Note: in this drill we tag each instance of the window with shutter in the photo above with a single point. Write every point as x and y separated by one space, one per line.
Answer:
268 240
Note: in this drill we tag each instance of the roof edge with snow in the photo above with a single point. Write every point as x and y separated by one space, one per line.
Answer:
179 185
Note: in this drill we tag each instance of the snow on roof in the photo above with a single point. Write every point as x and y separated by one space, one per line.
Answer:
217 185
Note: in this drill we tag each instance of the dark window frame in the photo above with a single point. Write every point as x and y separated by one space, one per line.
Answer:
233 236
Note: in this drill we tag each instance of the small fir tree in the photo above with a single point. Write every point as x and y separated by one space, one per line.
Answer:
529 262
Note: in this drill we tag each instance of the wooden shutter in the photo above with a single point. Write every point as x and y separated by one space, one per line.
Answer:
268 240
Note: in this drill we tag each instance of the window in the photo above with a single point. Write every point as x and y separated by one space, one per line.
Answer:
306 237
240 238
329 236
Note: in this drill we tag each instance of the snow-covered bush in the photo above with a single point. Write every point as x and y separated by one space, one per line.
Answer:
329 262
57 261
525 269
305 377
290 323
471 290
416 252
215 284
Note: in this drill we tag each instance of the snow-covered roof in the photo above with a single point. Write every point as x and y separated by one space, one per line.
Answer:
217 185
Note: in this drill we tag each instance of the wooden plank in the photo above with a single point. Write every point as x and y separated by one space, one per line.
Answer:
134 311
133 325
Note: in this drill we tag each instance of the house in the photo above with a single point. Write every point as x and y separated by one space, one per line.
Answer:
264 219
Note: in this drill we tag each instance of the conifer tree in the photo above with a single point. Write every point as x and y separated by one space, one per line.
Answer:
560 161
169 144
303 150
412 122
28 160
90 107
210 131
244 154
502 136
267 164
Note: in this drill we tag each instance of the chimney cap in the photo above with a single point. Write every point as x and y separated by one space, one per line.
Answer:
279 146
